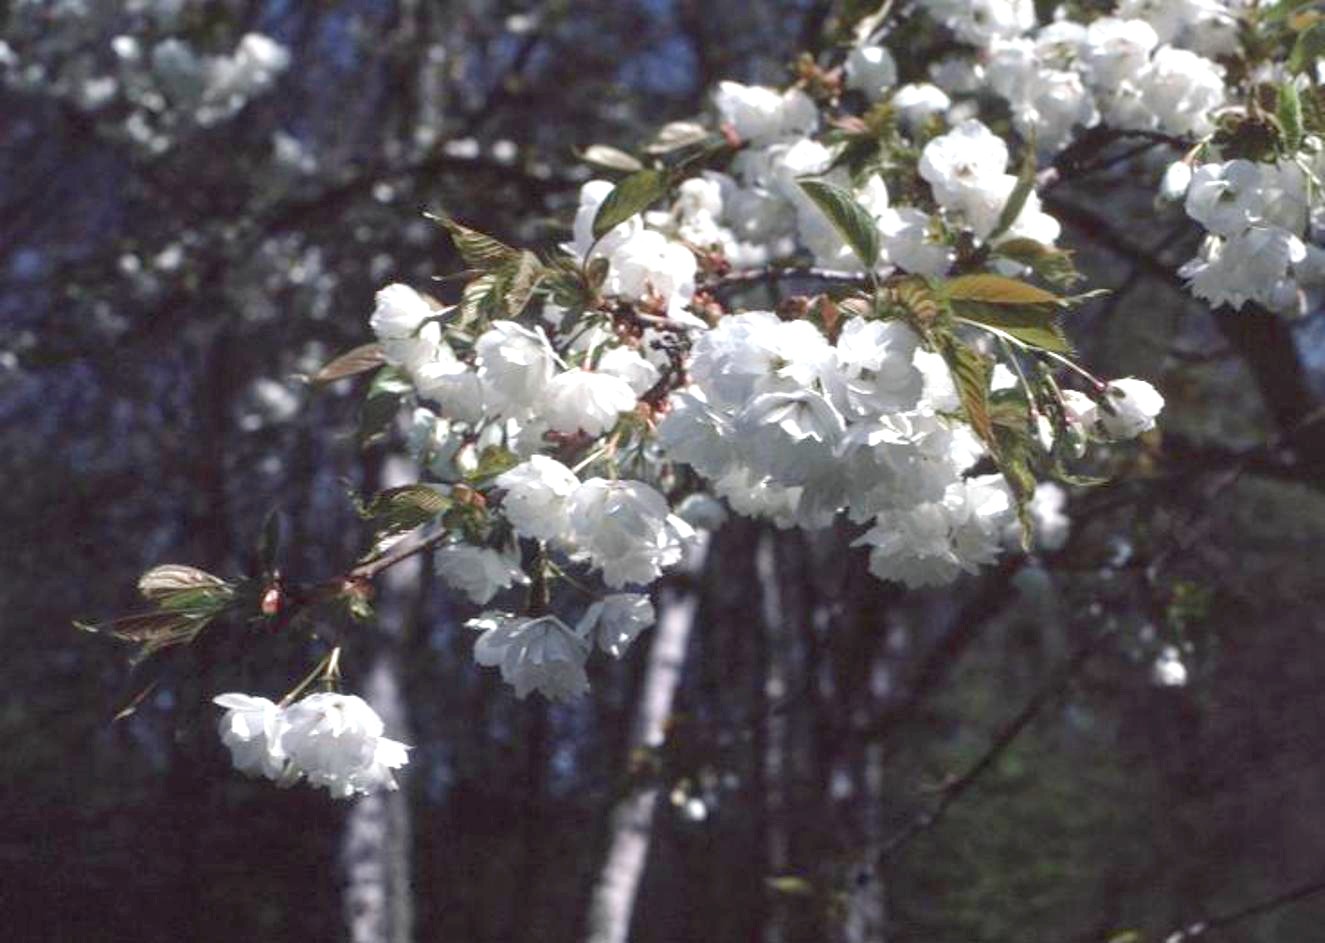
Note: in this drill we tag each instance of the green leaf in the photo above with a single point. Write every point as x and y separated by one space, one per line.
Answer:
851 220
154 631
480 299
492 461
169 579
1017 198
1013 454
1289 113
1036 326
381 405
351 363
632 195
1052 264
401 509
520 281
479 250
1309 47
970 373
996 290
610 158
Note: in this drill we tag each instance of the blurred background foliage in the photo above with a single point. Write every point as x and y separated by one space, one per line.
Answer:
166 280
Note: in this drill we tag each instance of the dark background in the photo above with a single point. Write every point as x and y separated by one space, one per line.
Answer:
154 309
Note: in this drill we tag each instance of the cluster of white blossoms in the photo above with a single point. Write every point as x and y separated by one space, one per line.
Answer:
774 416
162 82
331 740
1256 215
577 418
758 212
1149 66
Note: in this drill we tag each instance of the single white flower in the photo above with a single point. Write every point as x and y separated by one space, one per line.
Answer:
251 729
1135 405
762 115
451 383
516 364
582 400
625 528
1182 90
614 621
967 157
876 369
694 433
908 241
790 437
1117 49
336 741
1177 178
538 654
1226 198
537 501
917 102
399 313
626 364
478 572
648 263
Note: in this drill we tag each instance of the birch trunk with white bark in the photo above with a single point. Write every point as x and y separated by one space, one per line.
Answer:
630 824
375 848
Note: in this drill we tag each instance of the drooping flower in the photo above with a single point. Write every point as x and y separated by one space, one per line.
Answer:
251 730
625 528
534 653
478 572
614 621
336 741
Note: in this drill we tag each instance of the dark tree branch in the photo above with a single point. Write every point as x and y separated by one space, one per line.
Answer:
774 274
1199 928
953 790
1081 156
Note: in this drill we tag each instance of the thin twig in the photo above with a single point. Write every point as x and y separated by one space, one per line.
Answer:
1197 928
772 273
956 788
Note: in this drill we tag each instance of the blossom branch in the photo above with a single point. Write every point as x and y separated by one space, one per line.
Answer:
1074 160
774 274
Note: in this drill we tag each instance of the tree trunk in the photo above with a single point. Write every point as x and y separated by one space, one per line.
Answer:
630 822
773 758
375 851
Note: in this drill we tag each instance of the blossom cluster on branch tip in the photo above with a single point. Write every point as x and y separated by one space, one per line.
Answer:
621 387
834 304
333 741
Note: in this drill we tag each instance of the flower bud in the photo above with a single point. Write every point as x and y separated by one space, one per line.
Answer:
1176 180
